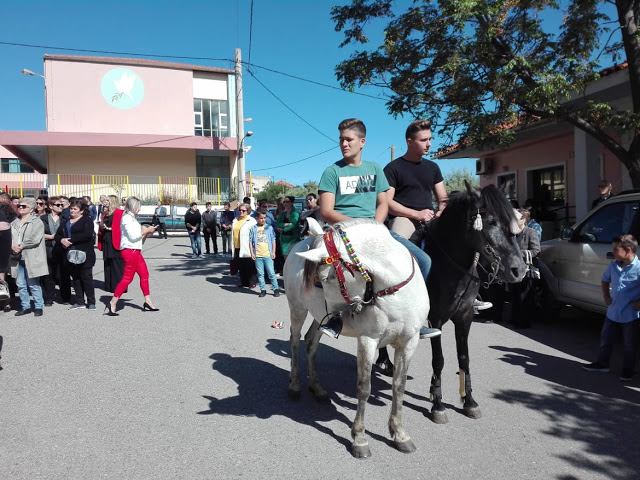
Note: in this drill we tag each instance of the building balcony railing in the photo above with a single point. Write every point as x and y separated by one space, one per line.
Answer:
149 189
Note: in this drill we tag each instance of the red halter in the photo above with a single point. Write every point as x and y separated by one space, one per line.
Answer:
338 262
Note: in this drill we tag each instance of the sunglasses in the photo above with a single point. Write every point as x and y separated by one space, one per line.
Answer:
58 204
243 210
39 203
24 206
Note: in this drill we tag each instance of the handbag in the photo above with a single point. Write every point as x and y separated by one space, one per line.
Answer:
4 291
77 257
532 271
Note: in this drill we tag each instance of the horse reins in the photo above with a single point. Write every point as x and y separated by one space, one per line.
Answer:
338 263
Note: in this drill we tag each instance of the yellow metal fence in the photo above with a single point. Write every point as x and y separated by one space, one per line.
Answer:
149 189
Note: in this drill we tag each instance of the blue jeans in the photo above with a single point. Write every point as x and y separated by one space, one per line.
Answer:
609 334
263 263
26 285
424 260
196 242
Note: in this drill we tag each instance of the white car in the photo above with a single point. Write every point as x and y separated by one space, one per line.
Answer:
572 265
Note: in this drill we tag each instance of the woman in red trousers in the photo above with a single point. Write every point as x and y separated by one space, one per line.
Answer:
131 236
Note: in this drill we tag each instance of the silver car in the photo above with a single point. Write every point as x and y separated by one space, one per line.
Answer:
572 265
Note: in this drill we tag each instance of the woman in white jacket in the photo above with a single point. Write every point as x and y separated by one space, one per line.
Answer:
241 253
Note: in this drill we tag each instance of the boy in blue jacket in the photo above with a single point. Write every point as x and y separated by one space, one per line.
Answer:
262 245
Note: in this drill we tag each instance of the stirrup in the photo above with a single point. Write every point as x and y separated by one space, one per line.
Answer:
333 327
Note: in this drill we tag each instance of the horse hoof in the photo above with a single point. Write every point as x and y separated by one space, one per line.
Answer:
294 395
405 447
474 413
322 397
439 417
385 368
360 451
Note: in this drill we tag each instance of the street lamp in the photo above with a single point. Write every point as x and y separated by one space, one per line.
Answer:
242 185
26 71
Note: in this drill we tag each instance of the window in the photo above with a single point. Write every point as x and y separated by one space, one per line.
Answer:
211 118
14 165
610 221
507 183
549 186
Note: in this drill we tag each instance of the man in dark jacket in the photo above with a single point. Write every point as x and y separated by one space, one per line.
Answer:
192 220
210 222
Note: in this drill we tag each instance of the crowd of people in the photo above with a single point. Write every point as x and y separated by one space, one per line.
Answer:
50 241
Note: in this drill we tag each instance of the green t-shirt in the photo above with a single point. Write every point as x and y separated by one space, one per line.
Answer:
356 188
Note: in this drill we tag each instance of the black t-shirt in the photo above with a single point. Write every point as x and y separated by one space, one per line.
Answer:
413 182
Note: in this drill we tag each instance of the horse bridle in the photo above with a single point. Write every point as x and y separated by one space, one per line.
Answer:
335 259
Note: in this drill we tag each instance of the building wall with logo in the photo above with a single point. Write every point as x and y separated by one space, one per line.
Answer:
112 98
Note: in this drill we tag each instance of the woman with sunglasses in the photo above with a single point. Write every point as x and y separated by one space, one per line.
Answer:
7 215
42 205
29 257
58 273
288 226
241 254
113 262
76 233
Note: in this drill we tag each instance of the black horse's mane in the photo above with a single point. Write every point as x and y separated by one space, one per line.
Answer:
491 200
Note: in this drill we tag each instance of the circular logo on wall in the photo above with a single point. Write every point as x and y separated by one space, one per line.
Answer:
122 88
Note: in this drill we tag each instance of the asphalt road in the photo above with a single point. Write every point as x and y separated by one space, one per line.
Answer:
198 390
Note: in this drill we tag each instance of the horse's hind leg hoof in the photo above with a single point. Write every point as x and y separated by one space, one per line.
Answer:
360 451
474 412
293 394
405 447
320 396
439 417
386 368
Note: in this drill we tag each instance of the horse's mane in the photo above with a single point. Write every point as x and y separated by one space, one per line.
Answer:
491 199
309 272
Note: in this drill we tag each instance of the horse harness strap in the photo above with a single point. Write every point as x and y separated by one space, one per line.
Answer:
338 263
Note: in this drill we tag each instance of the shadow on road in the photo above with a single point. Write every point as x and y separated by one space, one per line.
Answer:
605 428
262 390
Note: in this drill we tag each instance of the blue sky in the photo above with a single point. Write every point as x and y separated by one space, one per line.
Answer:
294 37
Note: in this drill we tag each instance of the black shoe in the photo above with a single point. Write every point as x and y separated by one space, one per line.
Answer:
263 293
37 312
48 304
595 367
109 312
627 375
26 311
276 293
146 307
333 327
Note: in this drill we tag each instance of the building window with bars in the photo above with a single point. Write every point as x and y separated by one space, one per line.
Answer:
14 165
211 117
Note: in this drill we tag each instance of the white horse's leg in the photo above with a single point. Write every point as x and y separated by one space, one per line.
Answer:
402 359
297 318
366 351
311 342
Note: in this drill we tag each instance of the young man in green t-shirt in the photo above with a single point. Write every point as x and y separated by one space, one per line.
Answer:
353 188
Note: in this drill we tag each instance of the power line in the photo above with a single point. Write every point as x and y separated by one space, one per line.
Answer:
292 163
289 108
182 57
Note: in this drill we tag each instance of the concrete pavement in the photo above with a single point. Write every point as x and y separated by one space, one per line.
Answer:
198 390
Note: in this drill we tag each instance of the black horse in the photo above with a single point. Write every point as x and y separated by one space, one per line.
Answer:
476 230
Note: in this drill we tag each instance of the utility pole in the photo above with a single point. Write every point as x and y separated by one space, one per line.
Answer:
393 152
240 117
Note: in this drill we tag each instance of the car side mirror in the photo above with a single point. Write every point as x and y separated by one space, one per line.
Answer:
567 234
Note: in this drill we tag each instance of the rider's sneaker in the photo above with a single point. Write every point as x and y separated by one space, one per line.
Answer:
427 332
595 367
480 305
333 327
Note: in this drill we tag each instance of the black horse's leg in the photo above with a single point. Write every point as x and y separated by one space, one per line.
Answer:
438 414
384 362
463 325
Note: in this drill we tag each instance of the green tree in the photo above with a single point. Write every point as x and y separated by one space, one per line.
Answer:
476 67
310 187
274 190
454 180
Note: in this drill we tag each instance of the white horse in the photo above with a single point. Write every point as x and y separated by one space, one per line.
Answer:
384 302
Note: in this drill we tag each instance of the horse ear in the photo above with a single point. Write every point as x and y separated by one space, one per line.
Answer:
314 226
316 255
472 190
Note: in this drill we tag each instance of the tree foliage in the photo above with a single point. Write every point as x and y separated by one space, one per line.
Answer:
272 191
480 68
454 180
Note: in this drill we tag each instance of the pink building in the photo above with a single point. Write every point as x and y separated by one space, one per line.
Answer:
555 164
120 116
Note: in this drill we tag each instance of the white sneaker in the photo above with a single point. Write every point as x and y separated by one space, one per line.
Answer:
480 305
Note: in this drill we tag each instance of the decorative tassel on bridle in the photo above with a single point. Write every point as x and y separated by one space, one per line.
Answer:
477 222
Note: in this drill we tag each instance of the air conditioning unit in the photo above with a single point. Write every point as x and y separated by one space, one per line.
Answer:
484 166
